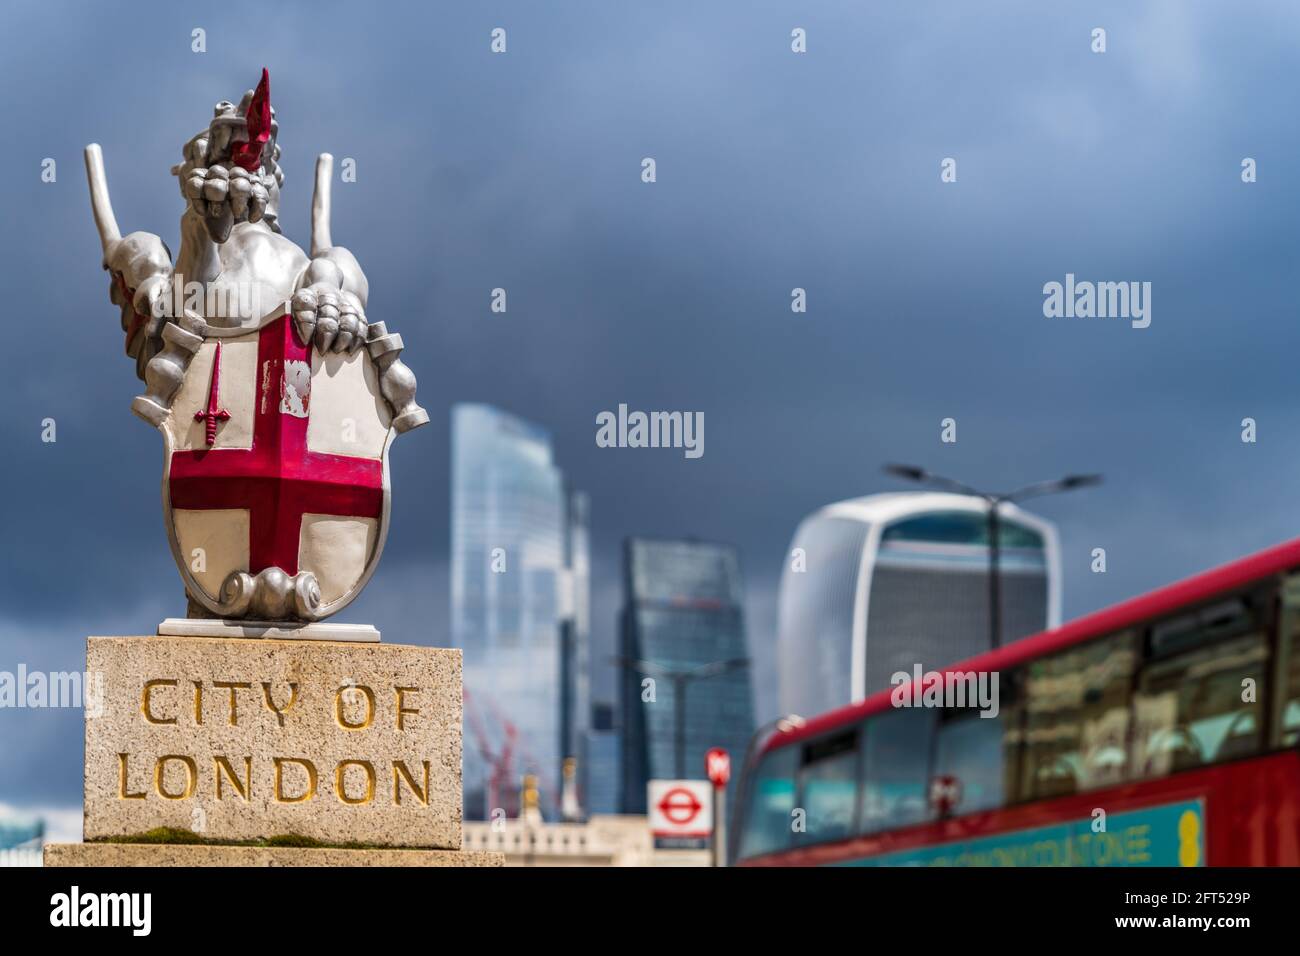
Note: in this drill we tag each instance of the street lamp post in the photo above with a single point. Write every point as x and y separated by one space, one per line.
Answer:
681 679
994 500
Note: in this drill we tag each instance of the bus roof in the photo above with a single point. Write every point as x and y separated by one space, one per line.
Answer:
1127 613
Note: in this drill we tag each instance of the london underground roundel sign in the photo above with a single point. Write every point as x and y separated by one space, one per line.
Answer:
680 808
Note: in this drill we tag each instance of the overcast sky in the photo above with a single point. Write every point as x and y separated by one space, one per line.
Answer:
775 170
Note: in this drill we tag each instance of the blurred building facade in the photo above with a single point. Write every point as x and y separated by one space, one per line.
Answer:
519 606
603 840
575 644
876 585
21 837
601 758
683 610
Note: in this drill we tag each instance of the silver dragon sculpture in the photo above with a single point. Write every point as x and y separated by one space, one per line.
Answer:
233 252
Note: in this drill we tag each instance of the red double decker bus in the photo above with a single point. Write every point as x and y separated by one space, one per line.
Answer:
1162 731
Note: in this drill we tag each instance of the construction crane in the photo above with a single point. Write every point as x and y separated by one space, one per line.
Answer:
504 779
500 763
529 764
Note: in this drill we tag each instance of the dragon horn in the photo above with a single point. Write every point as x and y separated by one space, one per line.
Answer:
320 205
102 206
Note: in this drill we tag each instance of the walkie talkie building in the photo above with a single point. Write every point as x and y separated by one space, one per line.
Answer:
876 585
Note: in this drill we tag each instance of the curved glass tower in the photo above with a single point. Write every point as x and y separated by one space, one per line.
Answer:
876 585
518 609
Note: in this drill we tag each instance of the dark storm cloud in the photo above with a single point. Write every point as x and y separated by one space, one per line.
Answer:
820 171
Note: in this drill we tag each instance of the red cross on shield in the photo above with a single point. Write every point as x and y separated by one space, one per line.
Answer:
294 476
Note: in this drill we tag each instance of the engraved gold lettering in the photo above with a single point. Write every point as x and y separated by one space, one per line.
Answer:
233 685
339 780
401 772
198 702
402 710
145 701
221 766
121 777
191 777
279 779
342 718
279 713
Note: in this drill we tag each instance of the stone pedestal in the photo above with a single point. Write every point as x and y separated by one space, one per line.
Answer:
264 752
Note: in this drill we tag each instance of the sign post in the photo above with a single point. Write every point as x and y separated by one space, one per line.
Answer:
717 764
681 813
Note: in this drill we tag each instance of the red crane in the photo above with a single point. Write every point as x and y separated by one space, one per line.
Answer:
519 749
500 764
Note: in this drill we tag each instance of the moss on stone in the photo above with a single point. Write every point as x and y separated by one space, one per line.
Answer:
180 836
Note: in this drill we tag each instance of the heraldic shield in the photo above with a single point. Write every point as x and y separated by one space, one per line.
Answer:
275 474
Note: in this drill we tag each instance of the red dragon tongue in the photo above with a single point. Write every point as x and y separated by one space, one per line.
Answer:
258 120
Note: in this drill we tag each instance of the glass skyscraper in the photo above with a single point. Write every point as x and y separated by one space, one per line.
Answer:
876 585
601 759
575 634
519 612
682 611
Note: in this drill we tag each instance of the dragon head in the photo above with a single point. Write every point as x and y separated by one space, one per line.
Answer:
239 138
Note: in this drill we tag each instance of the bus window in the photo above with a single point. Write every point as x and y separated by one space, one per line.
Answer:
976 758
1288 681
828 787
896 758
1189 709
1077 718
768 816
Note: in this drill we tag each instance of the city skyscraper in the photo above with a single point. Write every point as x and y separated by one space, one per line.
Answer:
684 629
875 585
519 607
601 759
575 634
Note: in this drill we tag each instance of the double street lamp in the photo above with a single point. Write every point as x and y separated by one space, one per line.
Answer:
680 678
993 500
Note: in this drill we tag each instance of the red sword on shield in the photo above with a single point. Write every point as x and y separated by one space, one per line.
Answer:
213 413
